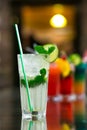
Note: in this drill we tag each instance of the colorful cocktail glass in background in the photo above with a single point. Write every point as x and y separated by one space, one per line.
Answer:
36 69
54 82
80 116
66 80
80 80
34 124
79 75
67 87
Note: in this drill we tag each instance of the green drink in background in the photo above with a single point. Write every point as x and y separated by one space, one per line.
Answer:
79 75
80 80
36 69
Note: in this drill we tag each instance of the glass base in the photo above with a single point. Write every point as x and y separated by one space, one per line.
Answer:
69 98
33 115
55 98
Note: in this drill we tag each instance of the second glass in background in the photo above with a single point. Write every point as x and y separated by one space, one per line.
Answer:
80 80
67 87
54 83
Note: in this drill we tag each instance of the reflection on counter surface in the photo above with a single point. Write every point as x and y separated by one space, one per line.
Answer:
34 124
60 115
80 115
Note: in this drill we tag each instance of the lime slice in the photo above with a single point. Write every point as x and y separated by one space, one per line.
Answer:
52 55
75 59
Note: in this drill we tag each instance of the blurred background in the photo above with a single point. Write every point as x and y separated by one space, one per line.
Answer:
36 20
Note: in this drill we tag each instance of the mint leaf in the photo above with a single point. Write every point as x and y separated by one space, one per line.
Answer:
51 49
36 81
31 83
40 49
43 72
23 81
39 79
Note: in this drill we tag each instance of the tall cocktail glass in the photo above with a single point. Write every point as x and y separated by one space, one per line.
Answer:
36 69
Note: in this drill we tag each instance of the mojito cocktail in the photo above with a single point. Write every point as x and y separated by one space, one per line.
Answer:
36 68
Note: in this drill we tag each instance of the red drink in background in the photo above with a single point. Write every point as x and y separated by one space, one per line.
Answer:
66 79
54 81
67 85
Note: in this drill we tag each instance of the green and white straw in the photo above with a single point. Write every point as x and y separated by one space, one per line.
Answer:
23 69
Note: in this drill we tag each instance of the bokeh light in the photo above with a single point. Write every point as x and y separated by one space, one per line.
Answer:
58 21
